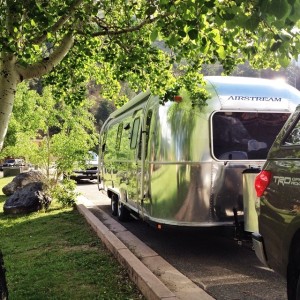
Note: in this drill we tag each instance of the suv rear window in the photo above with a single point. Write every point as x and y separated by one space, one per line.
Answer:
244 135
293 138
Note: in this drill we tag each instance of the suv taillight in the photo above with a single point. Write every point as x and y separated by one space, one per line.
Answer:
262 181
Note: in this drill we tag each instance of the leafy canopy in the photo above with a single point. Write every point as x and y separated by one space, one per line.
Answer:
160 44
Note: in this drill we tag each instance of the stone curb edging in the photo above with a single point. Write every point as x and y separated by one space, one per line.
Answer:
150 286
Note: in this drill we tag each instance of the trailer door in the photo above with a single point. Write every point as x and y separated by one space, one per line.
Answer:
139 141
134 166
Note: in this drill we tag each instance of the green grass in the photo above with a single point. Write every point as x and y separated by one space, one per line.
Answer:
56 255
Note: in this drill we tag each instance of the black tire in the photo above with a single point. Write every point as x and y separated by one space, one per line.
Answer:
293 286
114 205
3 286
298 289
293 272
123 212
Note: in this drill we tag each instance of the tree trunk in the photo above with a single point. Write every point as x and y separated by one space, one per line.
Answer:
12 73
9 80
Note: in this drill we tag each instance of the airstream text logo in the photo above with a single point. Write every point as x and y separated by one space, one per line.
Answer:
282 180
252 98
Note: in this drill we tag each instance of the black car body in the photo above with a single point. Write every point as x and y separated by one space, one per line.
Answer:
278 187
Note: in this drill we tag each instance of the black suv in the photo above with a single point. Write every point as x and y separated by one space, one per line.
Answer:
278 187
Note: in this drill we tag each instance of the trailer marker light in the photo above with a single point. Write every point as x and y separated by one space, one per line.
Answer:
178 99
262 181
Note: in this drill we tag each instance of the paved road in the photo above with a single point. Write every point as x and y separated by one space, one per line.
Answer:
210 258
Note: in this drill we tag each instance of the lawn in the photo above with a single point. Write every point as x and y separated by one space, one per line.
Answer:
56 255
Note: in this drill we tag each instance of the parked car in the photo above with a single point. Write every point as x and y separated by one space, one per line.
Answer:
13 162
90 171
278 187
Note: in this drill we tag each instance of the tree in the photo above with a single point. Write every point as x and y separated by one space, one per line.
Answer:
113 41
104 109
47 132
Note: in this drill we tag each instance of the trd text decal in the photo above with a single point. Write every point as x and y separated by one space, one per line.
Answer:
282 180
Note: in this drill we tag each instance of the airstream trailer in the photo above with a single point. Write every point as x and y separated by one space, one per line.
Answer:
178 164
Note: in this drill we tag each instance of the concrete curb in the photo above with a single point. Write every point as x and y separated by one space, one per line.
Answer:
150 286
140 260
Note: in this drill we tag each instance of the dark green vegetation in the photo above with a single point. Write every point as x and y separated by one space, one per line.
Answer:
56 255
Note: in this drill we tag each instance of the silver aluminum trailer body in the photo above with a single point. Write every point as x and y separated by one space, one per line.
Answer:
180 165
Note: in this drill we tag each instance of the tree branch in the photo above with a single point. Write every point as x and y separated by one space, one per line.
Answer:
107 31
46 65
58 25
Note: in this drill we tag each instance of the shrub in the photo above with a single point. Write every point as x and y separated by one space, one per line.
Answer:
64 192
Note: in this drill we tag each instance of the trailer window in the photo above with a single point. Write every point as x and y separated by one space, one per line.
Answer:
119 136
110 144
148 123
104 141
134 133
244 135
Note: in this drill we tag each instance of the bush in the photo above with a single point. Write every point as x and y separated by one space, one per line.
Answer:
64 192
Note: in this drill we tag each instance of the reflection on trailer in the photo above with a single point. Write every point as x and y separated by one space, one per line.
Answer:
182 165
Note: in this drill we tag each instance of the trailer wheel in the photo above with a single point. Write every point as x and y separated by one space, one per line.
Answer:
114 205
123 212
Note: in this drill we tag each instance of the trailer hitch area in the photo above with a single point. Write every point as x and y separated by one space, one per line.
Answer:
242 237
238 230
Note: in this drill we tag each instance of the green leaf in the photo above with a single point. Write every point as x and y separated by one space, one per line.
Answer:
284 61
252 23
221 52
279 8
182 33
179 23
36 47
193 34
172 41
227 16
153 35
150 10
295 14
216 36
210 3
275 46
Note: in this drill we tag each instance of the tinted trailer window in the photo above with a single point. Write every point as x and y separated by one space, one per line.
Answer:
244 135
